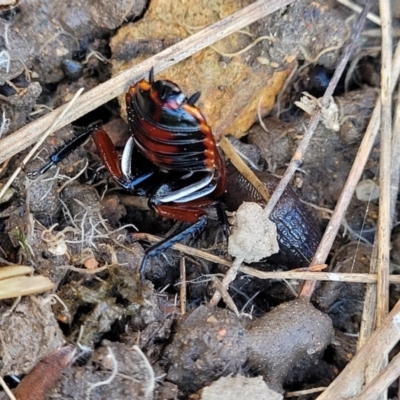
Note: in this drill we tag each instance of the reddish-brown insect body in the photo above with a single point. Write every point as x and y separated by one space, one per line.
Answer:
171 132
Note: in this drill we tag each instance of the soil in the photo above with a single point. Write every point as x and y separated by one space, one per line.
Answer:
74 225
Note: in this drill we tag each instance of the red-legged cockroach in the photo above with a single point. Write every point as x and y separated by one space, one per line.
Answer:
171 156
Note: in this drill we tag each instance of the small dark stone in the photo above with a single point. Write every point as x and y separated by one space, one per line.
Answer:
73 70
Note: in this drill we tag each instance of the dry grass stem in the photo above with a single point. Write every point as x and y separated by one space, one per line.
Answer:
318 276
382 381
106 91
299 274
301 149
368 318
14 271
182 289
242 167
384 222
304 392
24 286
351 380
7 389
229 277
223 294
358 9
184 249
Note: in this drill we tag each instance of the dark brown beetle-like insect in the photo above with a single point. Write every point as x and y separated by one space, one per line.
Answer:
171 155
172 158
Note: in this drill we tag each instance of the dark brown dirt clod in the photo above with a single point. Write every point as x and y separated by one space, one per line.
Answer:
285 337
210 343
27 335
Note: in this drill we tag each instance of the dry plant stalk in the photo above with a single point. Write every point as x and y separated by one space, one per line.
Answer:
182 290
229 277
358 9
106 91
241 166
384 222
300 274
382 381
349 383
382 239
368 319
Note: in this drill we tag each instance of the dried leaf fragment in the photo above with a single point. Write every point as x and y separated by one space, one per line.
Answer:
42 378
329 115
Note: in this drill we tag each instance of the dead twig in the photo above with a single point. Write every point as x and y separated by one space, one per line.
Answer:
384 221
368 319
382 381
7 389
304 392
241 166
349 383
299 274
182 289
382 239
229 277
358 9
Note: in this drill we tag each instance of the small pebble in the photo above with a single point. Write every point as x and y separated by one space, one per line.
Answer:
73 70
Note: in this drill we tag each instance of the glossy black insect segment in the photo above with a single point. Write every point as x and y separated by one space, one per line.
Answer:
171 156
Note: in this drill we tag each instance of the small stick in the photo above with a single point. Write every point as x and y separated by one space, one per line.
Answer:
384 222
349 383
224 294
299 274
304 392
119 84
7 389
358 9
184 249
382 381
242 167
368 318
318 276
228 279
42 139
182 265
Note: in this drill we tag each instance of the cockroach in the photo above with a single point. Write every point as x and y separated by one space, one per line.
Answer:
171 156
